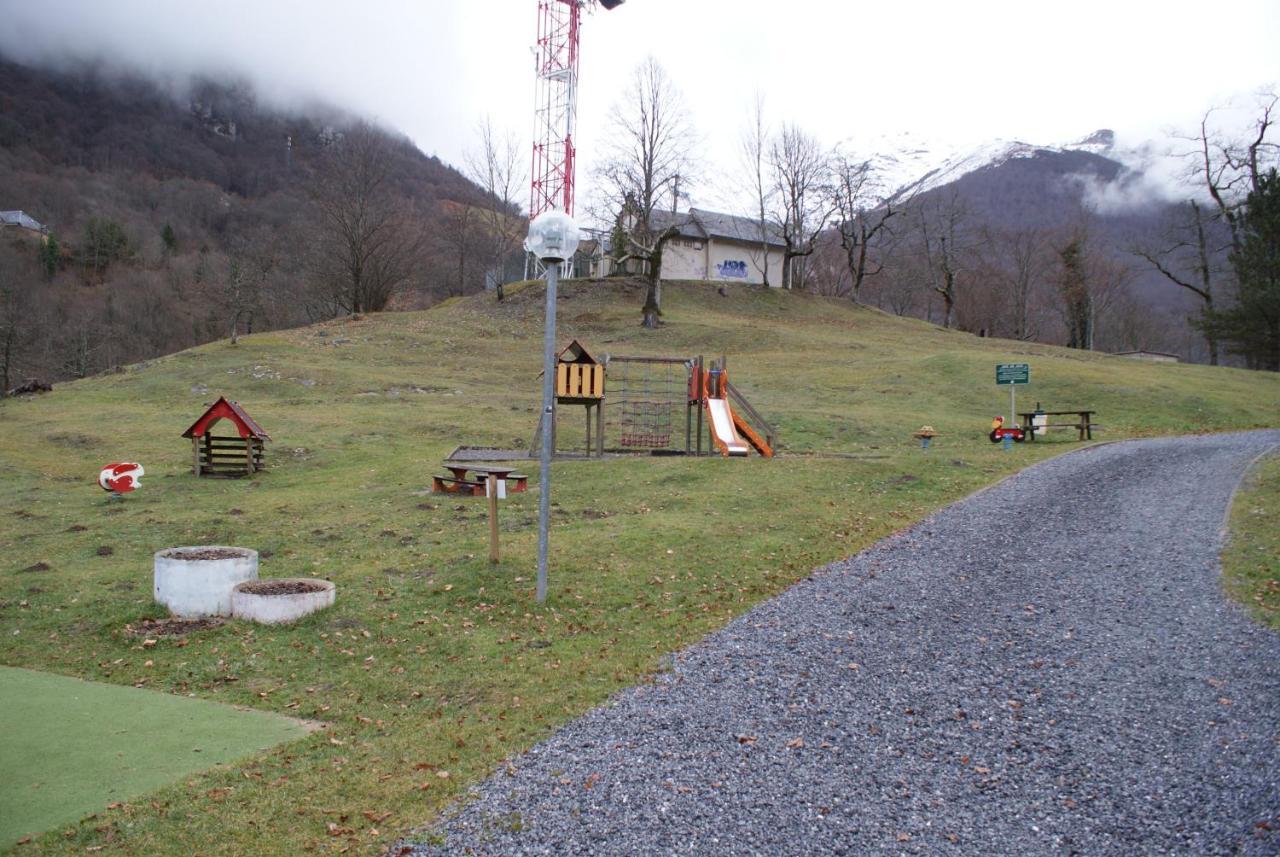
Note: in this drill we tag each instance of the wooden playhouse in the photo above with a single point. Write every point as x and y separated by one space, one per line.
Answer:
580 381
240 454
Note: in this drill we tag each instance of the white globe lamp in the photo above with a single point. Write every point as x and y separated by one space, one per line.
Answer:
553 236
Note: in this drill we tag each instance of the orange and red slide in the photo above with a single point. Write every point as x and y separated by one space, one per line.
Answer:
731 432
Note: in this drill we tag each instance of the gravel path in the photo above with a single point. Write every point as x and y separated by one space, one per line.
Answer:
1066 681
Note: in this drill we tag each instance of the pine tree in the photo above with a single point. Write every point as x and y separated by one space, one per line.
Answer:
1251 328
50 256
1077 302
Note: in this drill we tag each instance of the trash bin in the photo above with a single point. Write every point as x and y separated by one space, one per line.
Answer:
1039 421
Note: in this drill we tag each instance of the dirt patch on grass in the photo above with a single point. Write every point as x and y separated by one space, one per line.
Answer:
35 567
173 627
281 587
70 439
205 553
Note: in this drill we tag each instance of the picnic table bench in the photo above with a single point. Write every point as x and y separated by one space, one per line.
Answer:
1084 423
460 482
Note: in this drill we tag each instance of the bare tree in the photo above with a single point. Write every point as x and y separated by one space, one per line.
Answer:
1017 262
755 152
80 341
650 151
498 168
944 236
861 218
1231 167
1191 257
16 327
801 171
826 273
459 240
367 248
240 292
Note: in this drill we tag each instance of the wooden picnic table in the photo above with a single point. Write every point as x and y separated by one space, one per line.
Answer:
461 482
1083 424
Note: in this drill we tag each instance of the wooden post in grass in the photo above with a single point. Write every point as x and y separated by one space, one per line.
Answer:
493 518
698 389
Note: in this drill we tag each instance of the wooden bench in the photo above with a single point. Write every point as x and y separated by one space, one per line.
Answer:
449 485
1084 422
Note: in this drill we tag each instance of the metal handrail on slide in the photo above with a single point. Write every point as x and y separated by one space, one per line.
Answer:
742 405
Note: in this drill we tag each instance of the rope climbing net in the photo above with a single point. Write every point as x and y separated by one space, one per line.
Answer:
645 394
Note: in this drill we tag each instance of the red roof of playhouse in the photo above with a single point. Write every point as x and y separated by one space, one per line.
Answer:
222 409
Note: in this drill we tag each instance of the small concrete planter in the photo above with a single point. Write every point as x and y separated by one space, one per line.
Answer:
280 600
197 581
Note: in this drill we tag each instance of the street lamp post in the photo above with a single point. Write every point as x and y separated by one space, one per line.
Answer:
553 238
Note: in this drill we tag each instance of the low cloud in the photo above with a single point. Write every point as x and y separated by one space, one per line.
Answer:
1154 172
376 59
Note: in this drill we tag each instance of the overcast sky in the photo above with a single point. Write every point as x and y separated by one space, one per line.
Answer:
960 72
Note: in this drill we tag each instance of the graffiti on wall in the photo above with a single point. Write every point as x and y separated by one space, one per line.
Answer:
731 268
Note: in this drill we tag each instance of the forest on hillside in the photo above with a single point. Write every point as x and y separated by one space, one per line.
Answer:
174 219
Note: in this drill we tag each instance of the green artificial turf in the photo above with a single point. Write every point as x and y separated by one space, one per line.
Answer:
70 747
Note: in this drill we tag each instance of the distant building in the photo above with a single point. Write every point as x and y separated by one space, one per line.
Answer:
1152 356
22 220
710 246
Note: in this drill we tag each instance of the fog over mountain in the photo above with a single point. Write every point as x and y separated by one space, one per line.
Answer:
294 56
433 68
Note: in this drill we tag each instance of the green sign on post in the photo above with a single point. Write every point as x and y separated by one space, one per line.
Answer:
1011 375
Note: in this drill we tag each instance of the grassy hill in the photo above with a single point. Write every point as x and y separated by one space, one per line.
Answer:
433 666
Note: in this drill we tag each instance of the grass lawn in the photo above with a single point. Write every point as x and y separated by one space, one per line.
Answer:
70 747
433 665
1251 559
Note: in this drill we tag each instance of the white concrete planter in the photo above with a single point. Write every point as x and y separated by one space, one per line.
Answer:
292 598
196 581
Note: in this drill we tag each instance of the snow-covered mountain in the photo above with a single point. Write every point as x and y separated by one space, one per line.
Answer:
907 165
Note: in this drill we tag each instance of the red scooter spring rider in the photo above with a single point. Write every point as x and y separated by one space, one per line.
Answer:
999 432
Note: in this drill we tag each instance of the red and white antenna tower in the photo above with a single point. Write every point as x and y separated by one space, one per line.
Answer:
555 111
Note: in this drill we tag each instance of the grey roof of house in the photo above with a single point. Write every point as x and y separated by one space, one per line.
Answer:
700 223
20 218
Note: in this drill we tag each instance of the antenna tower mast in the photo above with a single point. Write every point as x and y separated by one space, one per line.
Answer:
555 111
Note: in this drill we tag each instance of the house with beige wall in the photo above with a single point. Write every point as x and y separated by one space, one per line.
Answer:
712 246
